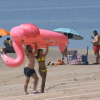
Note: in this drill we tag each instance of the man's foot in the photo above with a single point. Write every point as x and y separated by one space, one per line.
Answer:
96 63
26 93
35 92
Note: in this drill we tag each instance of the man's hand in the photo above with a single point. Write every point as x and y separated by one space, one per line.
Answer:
33 43
23 41
91 42
92 37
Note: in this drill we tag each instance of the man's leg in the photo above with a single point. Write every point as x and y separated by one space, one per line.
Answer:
35 77
97 57
67 61
27 79
62 56
66 56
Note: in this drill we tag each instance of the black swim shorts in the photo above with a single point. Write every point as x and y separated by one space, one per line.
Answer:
28 72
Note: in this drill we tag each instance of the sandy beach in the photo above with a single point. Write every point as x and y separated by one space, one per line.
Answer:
64 82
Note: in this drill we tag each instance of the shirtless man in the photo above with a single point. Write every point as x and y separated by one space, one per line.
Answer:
29 67
95 43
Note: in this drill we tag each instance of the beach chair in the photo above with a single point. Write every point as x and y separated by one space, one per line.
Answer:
9 49
72 57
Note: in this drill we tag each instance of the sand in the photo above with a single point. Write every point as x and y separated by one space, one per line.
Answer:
64 82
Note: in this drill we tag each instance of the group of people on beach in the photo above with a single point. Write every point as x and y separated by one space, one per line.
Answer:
30 57
96 47
29 70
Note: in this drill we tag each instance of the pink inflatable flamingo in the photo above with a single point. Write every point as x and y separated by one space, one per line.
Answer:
31 34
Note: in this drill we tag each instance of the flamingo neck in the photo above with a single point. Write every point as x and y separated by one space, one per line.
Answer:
19 53
18 50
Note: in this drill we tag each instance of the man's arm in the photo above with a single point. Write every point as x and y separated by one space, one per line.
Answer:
62 56
24 48
35 52
46 51
92 37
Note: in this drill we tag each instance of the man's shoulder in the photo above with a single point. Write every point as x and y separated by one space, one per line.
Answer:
97 36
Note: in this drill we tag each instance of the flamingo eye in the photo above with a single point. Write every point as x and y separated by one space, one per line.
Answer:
6 61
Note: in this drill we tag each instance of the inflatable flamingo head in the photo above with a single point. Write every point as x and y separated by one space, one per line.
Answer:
24 31
27 32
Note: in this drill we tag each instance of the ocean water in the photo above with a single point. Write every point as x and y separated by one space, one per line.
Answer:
63 13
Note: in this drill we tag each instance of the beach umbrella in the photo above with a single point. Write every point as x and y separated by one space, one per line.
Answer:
3 32
70 33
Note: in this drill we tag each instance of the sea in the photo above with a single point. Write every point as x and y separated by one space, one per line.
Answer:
81 15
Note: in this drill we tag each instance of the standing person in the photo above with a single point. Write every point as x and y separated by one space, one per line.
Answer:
29 70
42 67
65 53
95 43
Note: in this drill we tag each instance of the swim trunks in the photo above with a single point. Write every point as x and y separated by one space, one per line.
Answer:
96 48
28 72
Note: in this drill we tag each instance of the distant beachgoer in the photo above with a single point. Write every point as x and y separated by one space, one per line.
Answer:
8 41
29 70
8 44
95 43
42 67
64 54
0 36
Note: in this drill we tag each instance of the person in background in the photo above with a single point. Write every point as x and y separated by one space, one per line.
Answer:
95 43
8 41
42 67
29 70
65 53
